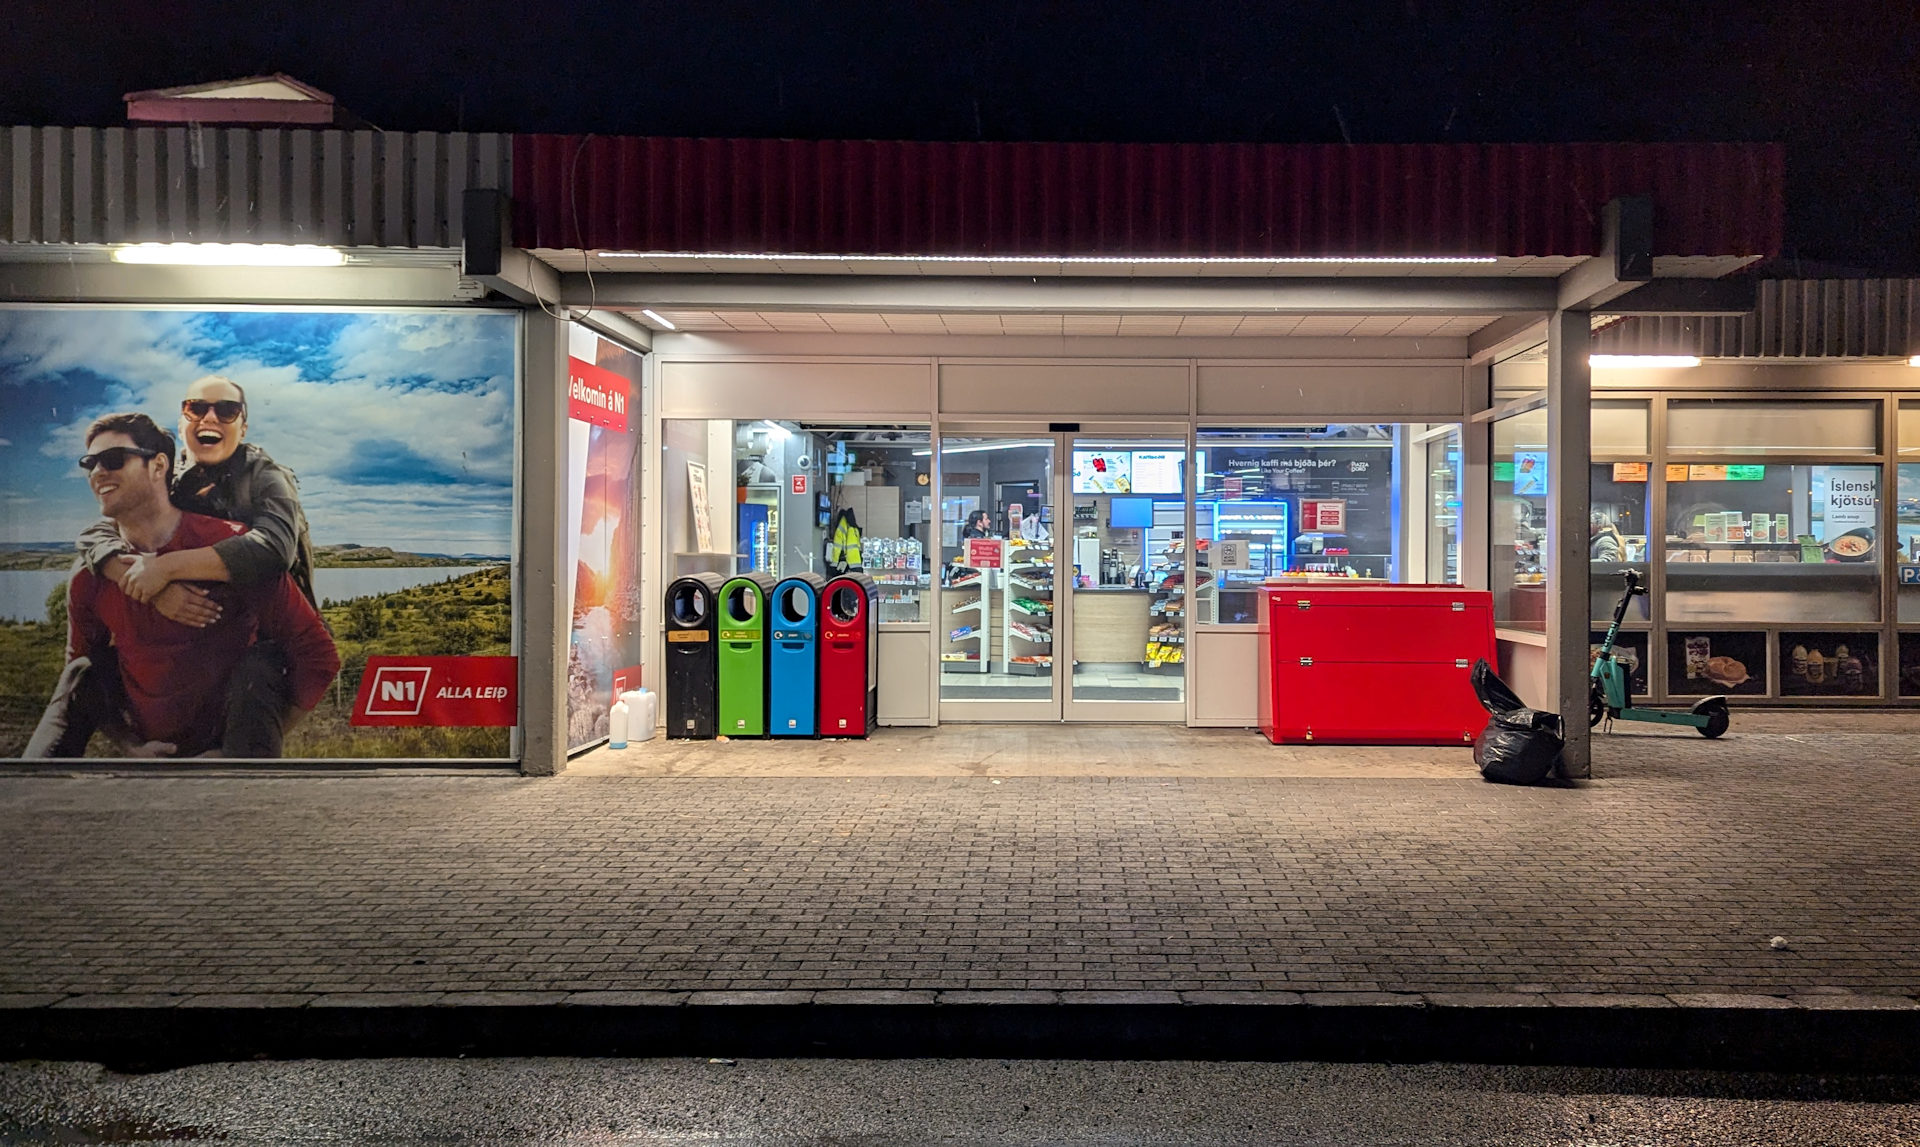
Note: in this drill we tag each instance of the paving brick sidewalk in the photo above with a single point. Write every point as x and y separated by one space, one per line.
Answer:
1669 875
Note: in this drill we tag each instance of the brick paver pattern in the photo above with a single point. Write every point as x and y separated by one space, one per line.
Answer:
1669 874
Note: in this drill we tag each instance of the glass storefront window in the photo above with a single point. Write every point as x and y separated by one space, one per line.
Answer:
1766 543
1521 373
1294 501
1443 509
1517 569
1747 426
784 498
1616 535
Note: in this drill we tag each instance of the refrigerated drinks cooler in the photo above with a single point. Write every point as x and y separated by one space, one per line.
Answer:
1372 665
1267 527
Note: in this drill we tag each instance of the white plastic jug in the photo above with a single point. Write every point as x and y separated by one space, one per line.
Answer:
617 725
643 712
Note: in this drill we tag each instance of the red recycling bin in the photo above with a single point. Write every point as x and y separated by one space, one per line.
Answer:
1381 665
849 656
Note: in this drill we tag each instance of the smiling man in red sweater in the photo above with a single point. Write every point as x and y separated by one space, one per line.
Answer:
232 688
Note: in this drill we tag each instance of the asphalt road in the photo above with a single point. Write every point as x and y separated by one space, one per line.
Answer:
959 1102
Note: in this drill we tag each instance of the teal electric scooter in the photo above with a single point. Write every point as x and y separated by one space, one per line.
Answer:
1609 698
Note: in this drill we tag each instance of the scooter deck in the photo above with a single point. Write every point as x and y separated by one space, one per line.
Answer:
1662 717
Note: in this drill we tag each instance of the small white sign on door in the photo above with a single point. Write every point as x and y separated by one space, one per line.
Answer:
1230 554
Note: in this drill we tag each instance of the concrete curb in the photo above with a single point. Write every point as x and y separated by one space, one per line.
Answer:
1874 1034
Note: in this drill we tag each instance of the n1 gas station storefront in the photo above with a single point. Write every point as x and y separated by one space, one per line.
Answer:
1079 402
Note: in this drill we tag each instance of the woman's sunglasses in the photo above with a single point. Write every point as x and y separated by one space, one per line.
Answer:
114 457
226 410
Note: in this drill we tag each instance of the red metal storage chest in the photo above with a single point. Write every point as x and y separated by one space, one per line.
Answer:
1386 664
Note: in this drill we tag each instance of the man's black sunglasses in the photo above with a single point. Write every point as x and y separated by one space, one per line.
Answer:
226 410
114 457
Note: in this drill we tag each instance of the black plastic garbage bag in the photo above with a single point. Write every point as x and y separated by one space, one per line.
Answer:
1519 746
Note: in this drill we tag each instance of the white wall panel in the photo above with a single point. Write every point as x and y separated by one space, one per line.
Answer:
906 677
1411 392
1086 391
880 392
1221 671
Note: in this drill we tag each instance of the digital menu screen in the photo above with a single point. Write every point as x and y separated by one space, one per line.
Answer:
1103 472
1157 471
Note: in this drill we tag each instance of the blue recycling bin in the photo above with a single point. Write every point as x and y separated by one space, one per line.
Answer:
793 657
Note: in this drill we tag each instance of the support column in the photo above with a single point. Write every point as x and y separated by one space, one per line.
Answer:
544 624
1569 442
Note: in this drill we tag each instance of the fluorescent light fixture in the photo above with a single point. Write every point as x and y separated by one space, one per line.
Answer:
977 447
1641 361
778 432
231 254
655 316
1051 260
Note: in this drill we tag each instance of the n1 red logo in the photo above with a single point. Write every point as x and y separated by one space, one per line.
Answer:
799 483
397 690
439 691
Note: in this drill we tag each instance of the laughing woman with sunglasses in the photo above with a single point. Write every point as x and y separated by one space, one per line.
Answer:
226 477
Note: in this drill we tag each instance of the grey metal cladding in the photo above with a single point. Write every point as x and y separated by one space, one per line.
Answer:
1794 318
263 185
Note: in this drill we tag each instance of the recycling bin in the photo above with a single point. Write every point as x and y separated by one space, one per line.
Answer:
693 656
743 654
849 656
793 657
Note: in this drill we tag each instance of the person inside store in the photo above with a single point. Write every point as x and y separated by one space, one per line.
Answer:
978 526
163 688
1604 543
229 478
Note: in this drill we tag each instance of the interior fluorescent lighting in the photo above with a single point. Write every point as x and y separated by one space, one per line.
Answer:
1641 361
1387 260
231 254
655 316
1914 361
976 447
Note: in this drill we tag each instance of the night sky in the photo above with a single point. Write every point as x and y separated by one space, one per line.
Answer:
1837 82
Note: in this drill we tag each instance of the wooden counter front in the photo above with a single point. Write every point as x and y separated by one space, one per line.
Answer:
1110 625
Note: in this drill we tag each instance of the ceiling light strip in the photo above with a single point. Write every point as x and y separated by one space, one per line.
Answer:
1151 260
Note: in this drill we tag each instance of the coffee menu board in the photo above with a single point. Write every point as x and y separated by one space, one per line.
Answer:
1359 476
1705 663
1829 664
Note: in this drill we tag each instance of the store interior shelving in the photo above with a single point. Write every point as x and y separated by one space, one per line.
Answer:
1027 610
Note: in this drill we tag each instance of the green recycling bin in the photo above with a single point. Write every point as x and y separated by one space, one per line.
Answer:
743 655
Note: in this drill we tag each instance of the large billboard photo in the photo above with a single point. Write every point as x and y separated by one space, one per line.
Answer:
257 533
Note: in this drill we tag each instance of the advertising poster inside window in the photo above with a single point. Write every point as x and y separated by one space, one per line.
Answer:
257 533
603 501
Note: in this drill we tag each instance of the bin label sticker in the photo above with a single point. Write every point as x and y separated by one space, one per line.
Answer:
739 635
686 636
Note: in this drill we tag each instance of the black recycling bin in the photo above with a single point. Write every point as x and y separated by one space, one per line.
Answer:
693 656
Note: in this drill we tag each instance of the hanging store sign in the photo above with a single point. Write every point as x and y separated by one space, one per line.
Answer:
984 553
596 395
1323 516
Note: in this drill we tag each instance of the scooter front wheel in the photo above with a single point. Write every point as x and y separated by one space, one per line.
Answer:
1714 709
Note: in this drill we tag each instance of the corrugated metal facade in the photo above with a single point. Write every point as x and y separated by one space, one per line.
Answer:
269 185
1795 318
897 198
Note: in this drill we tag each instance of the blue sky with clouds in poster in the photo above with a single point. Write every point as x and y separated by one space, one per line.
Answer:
399 425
